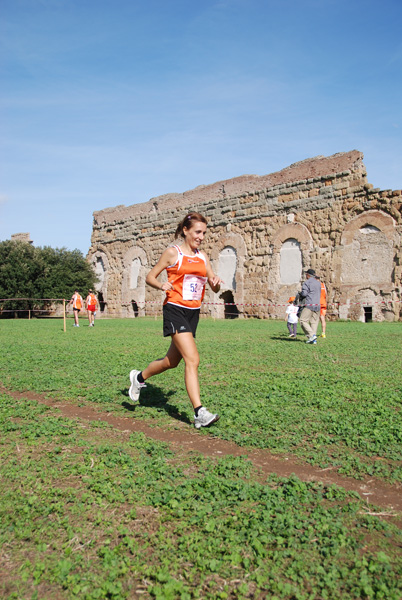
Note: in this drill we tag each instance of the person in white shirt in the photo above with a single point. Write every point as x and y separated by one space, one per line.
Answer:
291 317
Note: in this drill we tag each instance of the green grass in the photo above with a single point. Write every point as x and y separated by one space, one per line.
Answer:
337 404
90 512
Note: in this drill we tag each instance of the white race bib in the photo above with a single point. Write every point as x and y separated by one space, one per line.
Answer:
193 286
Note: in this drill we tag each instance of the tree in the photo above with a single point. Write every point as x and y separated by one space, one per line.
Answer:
41 273
63 271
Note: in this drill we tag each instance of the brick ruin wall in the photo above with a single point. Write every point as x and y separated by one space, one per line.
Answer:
263 233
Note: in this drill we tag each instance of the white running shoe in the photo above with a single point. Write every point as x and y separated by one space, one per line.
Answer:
135 387
204 418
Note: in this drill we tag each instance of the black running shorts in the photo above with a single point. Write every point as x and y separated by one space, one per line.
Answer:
178 319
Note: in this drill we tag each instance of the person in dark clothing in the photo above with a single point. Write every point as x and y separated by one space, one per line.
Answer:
310 315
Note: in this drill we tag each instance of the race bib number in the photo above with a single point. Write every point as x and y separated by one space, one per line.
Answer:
193 286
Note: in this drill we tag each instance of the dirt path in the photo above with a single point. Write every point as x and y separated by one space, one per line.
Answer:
374 491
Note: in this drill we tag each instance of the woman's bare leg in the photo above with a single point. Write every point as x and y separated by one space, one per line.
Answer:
182 346
186 347
169 361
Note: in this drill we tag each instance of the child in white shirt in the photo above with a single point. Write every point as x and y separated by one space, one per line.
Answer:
291 317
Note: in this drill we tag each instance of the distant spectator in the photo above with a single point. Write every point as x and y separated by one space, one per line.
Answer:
310 315
323 307
291 316
77 303
91 303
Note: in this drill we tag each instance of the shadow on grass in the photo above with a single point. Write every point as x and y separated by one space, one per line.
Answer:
286 338
152 396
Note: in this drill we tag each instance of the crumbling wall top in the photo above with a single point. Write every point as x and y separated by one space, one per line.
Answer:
311 168
21 237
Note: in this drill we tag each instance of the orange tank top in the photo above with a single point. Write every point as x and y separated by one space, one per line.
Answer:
188 277
77 301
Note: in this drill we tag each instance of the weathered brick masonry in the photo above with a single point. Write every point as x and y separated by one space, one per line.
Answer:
263 232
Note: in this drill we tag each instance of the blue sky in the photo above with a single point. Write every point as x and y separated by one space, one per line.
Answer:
108 102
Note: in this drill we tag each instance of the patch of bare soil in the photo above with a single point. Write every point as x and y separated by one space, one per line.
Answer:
185 439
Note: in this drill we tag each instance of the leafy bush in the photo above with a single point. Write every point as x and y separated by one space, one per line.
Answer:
35 273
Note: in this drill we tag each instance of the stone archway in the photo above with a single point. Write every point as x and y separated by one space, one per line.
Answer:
227 267
227 259
374 218
133 282
100 261
294 241
291 247
368 250
367 254
293 231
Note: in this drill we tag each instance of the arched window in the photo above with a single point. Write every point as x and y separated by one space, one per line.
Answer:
100 272
227 267
369 258
367 229
290 268
134 273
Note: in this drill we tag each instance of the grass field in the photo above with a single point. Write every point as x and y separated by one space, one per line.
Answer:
91 512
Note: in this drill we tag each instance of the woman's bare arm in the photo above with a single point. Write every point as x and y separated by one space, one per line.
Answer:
168 258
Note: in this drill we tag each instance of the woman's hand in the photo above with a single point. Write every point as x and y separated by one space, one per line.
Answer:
166 286
215 283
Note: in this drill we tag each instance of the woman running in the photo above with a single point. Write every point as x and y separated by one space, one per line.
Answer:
188 271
